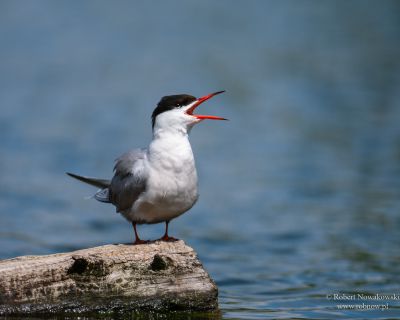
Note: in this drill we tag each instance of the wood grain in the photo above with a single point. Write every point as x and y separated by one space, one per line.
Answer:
156 276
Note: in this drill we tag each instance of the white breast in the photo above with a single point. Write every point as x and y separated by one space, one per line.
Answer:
171 186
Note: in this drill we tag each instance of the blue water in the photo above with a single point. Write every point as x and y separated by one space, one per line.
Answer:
299 191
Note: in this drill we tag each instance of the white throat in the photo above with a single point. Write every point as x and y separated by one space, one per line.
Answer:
170 147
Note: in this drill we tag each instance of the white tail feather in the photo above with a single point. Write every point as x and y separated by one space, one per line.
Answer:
102 195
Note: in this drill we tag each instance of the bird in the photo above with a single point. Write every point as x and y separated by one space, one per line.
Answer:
158 183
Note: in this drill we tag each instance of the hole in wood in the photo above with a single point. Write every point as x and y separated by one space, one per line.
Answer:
158 263
79 266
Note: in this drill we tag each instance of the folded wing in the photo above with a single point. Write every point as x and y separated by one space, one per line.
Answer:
129 180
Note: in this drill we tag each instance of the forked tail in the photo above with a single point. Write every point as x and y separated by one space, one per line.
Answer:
100 183
103 194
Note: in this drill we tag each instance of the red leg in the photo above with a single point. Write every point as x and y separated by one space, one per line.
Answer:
166 237
137 239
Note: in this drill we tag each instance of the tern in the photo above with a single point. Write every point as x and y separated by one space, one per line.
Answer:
158 183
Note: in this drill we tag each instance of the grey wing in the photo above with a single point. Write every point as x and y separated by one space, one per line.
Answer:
129 179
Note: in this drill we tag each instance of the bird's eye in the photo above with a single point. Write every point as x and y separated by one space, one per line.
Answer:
178 105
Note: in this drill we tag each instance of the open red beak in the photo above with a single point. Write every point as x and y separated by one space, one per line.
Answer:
198 102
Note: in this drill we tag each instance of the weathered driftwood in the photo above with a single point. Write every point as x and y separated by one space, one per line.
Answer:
157 276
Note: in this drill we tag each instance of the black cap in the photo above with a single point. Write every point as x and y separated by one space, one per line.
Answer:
171 102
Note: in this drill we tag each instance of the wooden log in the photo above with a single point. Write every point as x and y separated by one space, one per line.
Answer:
157 276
